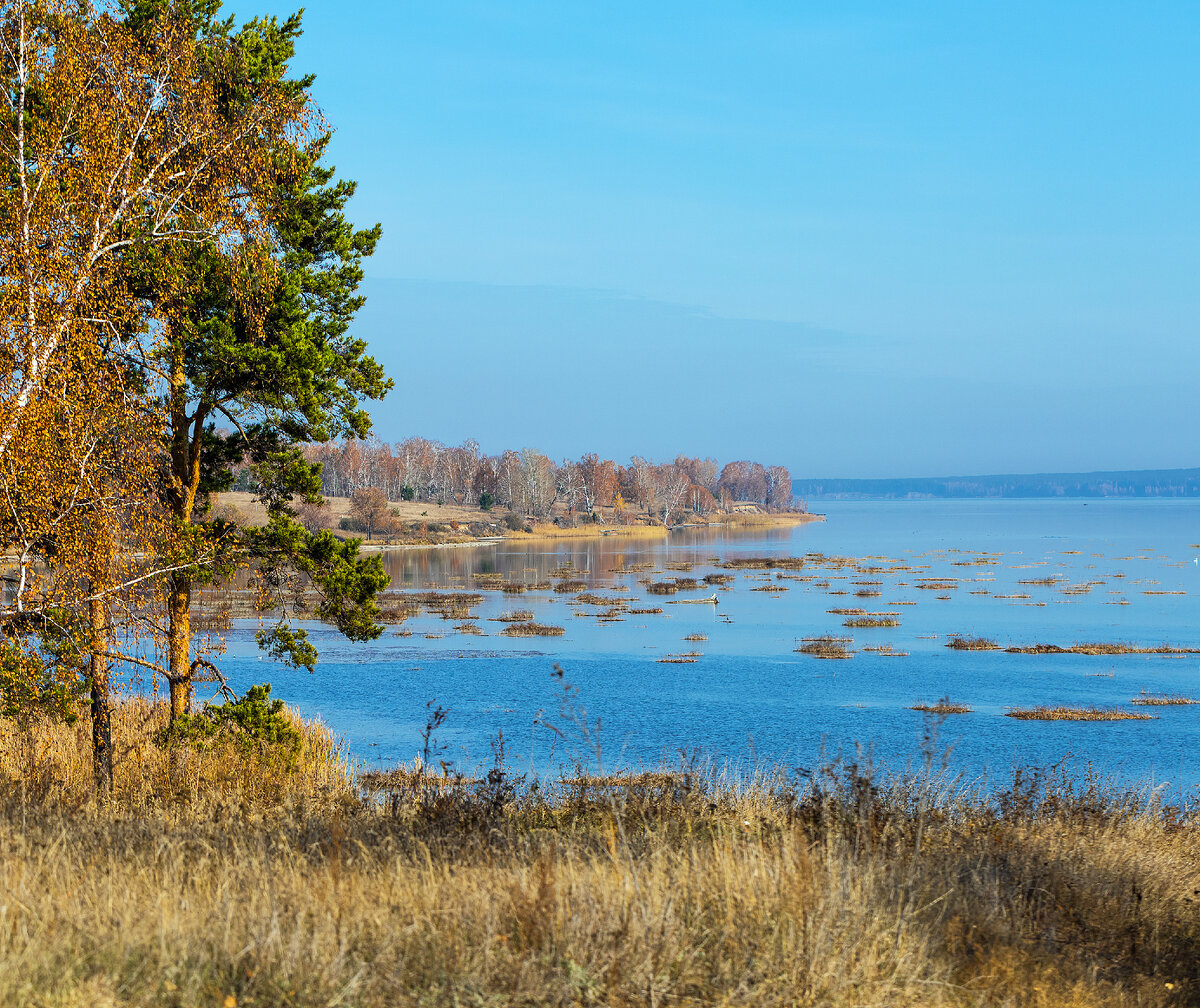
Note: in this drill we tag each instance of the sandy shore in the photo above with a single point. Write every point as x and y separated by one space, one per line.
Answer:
454 525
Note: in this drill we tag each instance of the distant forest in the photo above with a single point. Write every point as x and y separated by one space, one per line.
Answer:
1129 483
531 483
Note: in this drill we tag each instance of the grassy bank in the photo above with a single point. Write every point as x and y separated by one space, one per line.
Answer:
227 877
430 524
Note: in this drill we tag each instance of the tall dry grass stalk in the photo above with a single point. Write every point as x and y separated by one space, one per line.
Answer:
230 877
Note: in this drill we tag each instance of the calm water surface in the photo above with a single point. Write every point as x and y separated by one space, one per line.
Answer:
750 698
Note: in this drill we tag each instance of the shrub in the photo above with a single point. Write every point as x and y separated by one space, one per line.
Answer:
250 720
486 500
514 522
407 493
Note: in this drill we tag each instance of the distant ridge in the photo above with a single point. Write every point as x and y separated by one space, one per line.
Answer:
1124 483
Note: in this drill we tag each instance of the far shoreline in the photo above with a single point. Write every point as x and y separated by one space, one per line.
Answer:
551 532
427 525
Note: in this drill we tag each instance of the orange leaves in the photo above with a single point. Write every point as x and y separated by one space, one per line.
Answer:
119 138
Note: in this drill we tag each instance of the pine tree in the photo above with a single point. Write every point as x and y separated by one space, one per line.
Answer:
256 358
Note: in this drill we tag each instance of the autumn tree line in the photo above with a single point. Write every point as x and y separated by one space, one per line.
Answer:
530 483
178 281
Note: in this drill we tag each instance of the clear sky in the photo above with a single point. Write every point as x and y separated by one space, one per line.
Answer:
857 239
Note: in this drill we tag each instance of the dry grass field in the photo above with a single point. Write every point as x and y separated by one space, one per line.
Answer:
227 877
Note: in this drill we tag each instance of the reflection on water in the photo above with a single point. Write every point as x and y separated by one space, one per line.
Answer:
1019 572
531 561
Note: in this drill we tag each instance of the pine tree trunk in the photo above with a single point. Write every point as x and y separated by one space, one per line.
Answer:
179 645
102 749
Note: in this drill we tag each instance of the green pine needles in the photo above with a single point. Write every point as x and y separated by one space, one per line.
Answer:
250 722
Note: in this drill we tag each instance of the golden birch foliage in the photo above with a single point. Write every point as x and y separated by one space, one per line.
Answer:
114 140
78 485
80 520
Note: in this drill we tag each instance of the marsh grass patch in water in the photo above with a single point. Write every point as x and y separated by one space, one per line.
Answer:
1163 700
943 706
825 647
532 630
972 644
1046 713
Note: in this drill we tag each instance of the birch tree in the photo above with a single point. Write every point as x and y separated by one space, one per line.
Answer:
114 141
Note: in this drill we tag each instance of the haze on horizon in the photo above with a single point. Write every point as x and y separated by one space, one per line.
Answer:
870 241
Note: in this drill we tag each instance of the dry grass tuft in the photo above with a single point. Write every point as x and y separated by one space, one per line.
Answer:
532 630
943 706
514 616
1162 700
1101 648
972 644
1075 714
825 647
764 563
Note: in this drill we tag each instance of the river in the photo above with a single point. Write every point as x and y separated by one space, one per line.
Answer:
1122 571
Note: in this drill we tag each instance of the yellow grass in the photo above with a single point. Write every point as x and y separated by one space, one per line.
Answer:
751 518
972 644
1075 714
532 630
941 707
1163 700
225 880
548 530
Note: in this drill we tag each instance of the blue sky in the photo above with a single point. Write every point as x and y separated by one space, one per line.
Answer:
855 239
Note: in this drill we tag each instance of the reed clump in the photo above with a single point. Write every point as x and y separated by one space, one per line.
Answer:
943 706
1101 648
225 878
1163 700
825 647
571 585
972 644
515 616
871 621
591 598
1045 713
764 563
532 629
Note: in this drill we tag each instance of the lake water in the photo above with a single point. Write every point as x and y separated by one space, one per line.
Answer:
750 698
